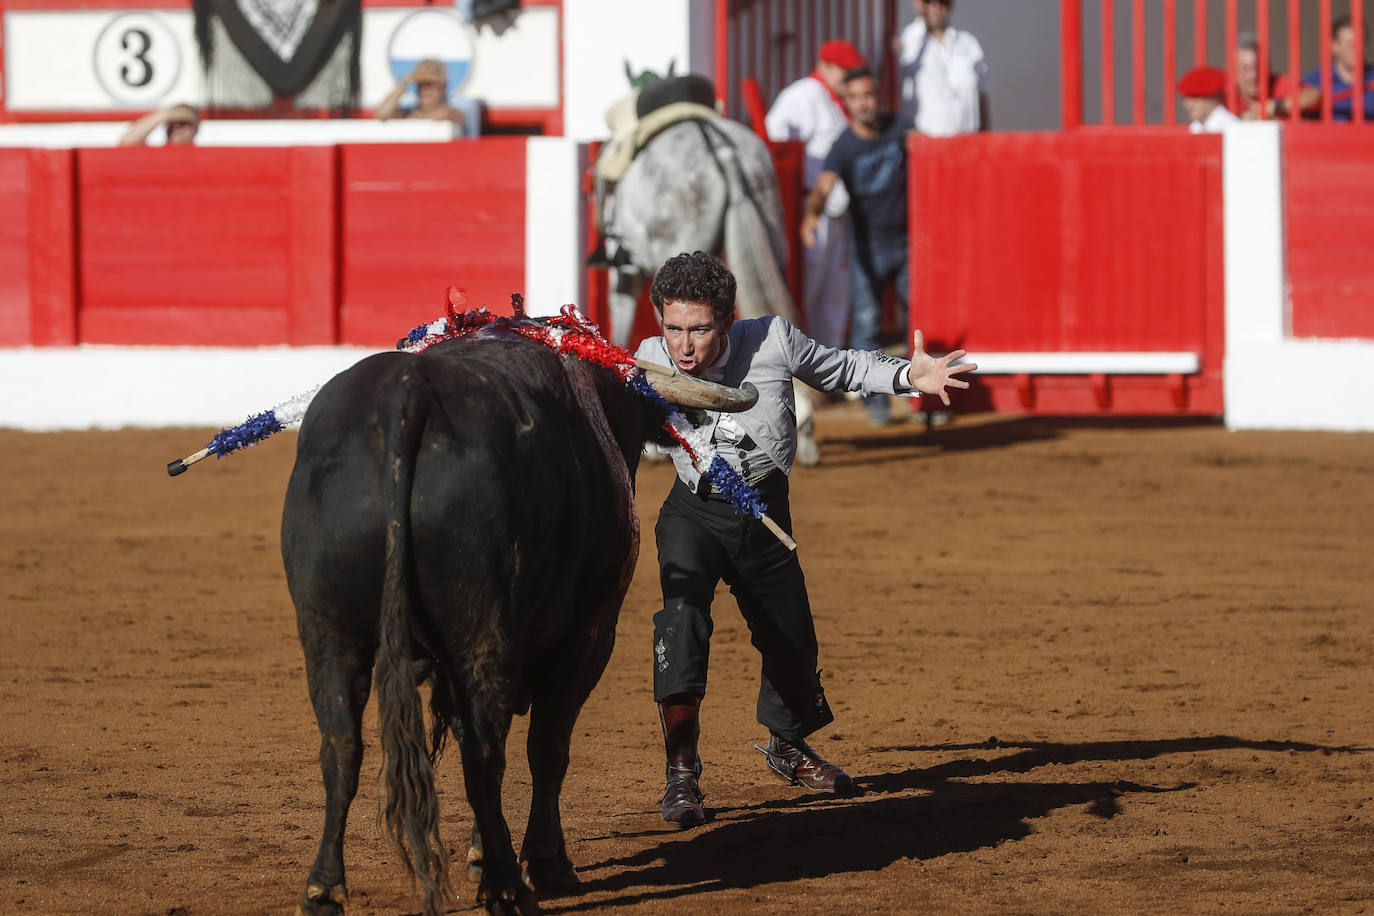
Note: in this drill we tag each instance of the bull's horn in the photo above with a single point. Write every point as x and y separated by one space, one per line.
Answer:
685 391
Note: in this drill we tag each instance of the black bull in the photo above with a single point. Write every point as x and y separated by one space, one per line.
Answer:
463 516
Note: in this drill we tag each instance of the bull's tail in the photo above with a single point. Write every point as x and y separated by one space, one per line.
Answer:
412 806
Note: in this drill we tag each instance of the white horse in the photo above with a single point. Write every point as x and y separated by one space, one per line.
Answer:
705 185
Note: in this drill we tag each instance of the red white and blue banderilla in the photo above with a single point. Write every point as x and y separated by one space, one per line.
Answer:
570 333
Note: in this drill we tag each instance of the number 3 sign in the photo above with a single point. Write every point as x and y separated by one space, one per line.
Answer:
137 59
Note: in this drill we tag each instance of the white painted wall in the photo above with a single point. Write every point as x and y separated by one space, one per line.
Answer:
1271 380
72 59
599 36
94 387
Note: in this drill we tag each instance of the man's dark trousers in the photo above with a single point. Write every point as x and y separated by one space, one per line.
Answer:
702 540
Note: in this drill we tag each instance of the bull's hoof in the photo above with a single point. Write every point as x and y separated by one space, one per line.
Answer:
474 865
318 900
550 877
516 901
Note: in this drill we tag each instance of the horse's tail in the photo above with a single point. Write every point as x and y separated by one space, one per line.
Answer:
412 806
749 246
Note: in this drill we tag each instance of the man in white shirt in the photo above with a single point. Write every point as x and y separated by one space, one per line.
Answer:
907 46
1204 100
812 110
943 75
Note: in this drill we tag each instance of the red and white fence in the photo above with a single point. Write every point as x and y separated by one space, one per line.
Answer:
1298 24
1083 269
1127 269
349 244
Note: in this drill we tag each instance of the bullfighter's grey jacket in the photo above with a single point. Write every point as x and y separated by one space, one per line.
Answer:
770 352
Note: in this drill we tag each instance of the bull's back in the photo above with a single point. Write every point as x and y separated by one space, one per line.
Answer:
513 512
513 521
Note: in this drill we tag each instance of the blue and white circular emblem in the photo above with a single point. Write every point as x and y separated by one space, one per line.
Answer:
433 33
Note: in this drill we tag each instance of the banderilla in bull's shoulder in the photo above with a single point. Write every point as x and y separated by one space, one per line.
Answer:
702 394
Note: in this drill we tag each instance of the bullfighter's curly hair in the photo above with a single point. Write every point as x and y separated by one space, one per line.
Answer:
695 277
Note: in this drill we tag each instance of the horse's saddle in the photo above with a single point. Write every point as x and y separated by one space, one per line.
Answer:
644 113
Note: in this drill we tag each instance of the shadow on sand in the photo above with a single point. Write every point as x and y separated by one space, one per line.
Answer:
813 836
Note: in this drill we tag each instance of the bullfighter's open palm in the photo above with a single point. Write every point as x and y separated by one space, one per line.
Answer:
932 375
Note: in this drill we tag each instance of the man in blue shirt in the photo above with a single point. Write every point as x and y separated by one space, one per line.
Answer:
870 158
1343 44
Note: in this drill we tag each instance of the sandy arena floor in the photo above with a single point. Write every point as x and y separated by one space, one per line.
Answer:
1075 668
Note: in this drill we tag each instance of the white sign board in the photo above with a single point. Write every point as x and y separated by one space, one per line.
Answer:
82 60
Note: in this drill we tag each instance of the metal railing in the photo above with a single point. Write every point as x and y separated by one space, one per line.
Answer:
1170 31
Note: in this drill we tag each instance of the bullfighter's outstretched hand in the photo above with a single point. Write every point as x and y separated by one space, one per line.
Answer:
932 375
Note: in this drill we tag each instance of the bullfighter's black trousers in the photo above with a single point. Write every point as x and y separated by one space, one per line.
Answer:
702 540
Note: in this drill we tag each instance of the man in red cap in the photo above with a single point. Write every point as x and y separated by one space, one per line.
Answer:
1204 100
813 111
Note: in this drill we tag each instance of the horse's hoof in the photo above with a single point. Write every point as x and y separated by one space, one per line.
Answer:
550 877
474 865
318 900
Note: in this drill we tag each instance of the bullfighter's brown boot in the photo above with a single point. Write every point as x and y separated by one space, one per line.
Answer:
682 798
799 764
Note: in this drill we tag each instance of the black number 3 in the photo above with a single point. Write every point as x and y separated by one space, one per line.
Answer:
146 75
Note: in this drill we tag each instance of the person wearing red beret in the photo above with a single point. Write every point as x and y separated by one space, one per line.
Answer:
1204 97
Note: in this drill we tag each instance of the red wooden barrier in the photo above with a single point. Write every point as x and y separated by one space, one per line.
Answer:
37 266
1082 241
1329 200
418 218
232 247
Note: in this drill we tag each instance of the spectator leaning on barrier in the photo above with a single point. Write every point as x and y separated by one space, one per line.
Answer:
1343 78
702 539
181 122
870 160
1247 85
943 76
430 80
812 110
1204 100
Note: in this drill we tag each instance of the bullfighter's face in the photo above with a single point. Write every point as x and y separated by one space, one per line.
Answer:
695 336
